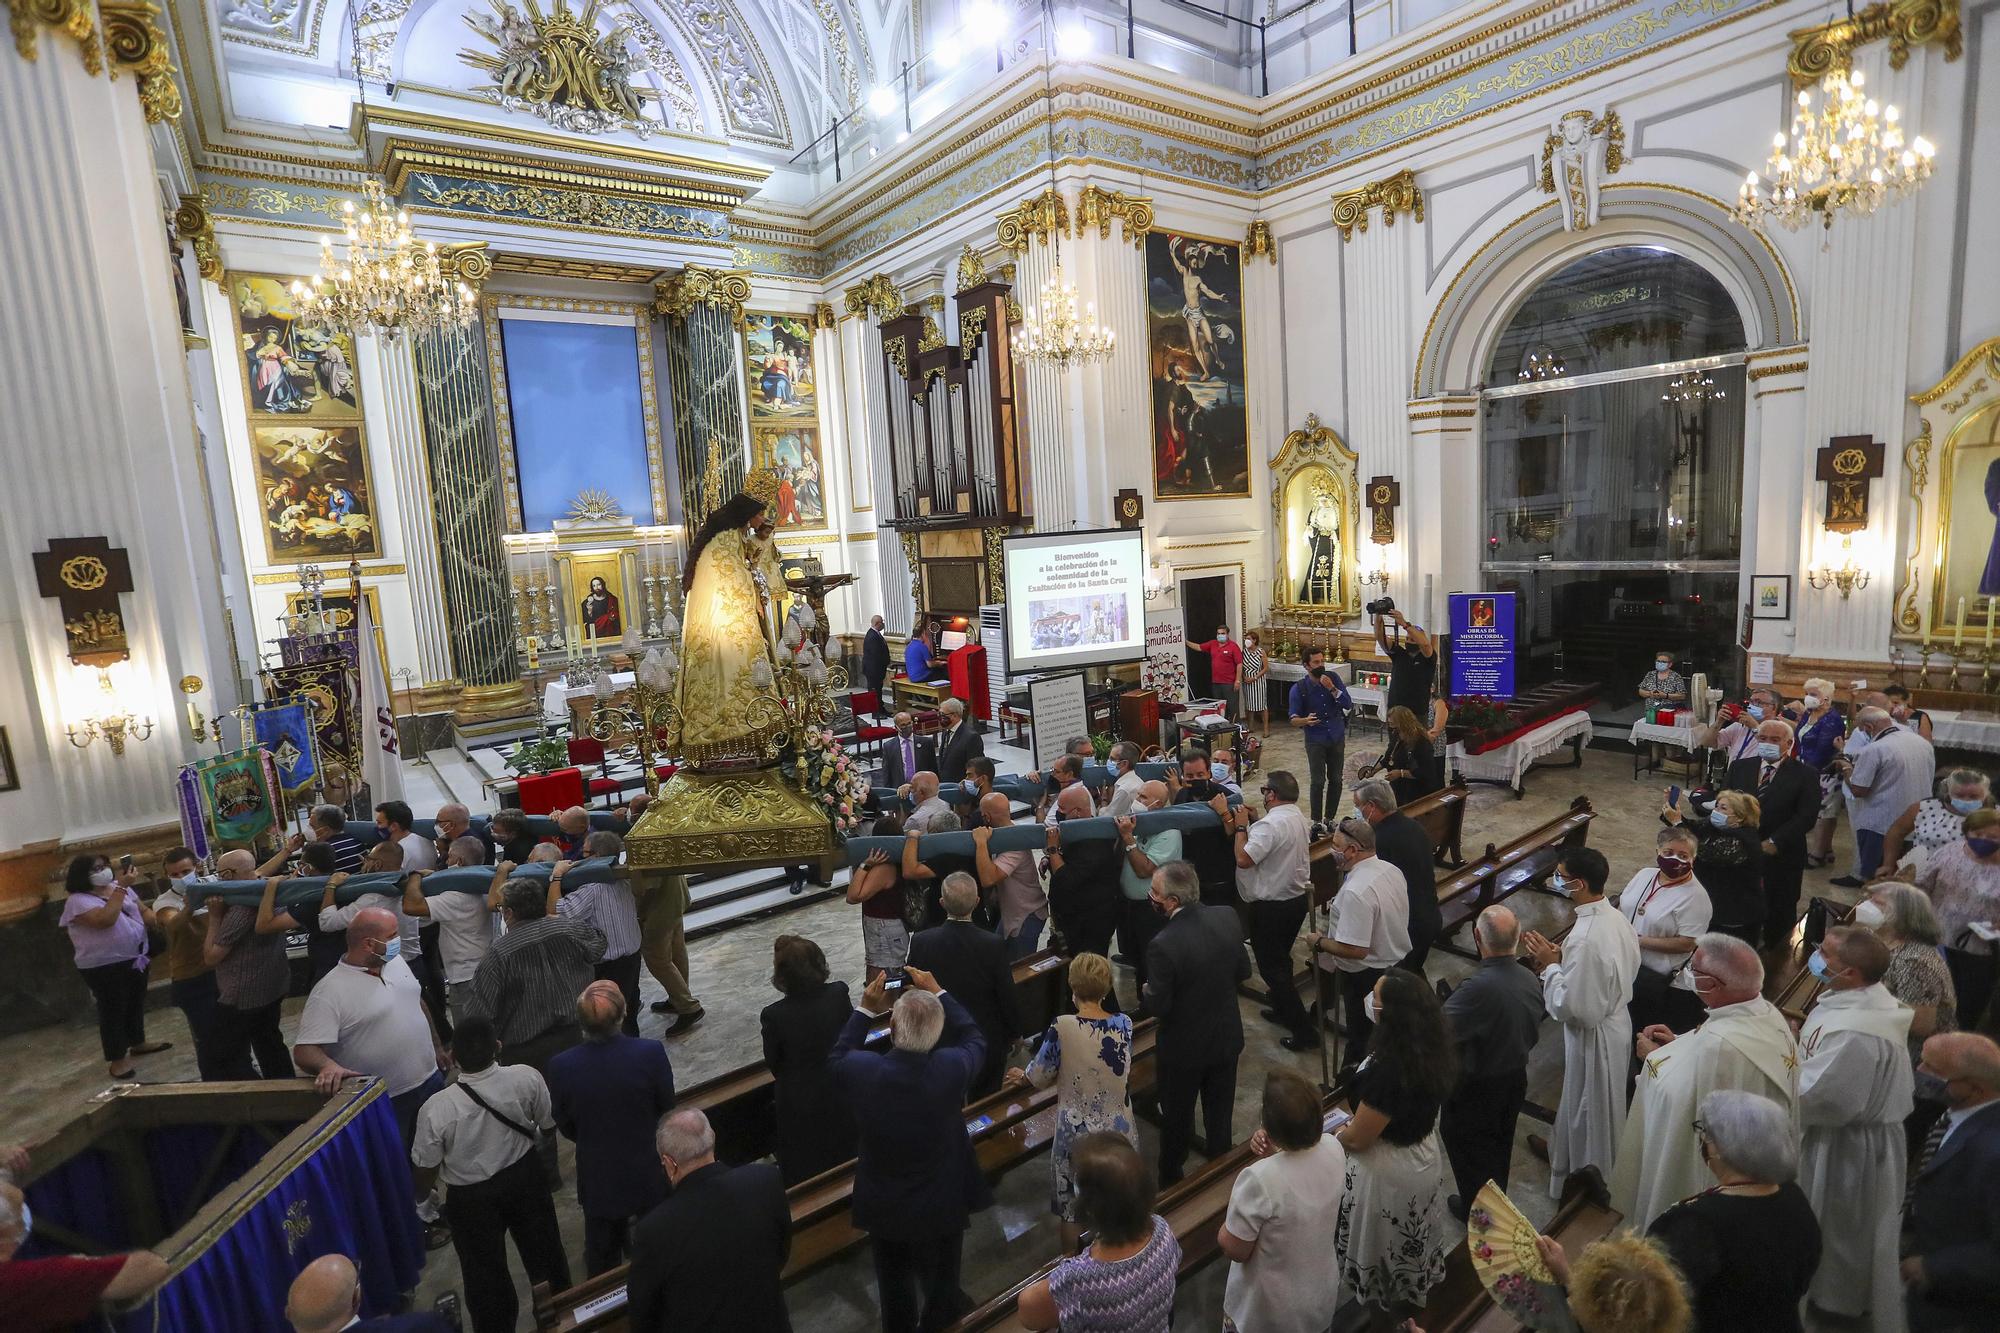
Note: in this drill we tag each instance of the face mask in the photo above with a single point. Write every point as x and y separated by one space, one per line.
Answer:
1867 913
1812 701
1755 710
1965 805
1818 967
1719 817
1222 638
1318 671
1662 666
1770 750
189 880
1221 770
1370 1008
103 878
1983 846
391 948
969 787
1673 867
1559 884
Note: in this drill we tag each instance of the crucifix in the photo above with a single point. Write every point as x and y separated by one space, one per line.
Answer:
1847 464
85 575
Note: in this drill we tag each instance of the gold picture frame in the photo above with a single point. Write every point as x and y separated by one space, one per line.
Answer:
1952 475
607 612
1315 486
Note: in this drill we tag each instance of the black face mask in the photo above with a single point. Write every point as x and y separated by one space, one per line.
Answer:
1318 671
1204 788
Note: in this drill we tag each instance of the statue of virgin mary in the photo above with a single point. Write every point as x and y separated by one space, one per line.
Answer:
727 701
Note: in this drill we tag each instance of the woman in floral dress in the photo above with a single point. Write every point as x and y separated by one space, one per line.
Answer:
1090 1052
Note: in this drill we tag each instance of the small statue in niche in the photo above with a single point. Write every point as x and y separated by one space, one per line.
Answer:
1579 152
1321 586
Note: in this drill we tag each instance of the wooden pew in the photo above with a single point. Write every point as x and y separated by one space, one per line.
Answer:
741 1104
1523 863
1442 815
1007 1129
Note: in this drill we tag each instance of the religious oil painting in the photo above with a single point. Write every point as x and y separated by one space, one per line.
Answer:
294 367
1194 341
777 356
793 456
597 579
317 497
1968 578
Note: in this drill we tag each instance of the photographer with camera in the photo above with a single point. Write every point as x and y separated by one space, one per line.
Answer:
1320 706
1412 655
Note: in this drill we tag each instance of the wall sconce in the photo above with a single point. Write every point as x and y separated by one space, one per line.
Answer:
1847 577
1374 572
1159 579
112 723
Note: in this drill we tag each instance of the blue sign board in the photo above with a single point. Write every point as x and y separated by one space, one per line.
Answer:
1482 644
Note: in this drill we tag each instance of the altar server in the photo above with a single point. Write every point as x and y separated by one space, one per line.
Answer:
1586 984
1855 1088
1744 1044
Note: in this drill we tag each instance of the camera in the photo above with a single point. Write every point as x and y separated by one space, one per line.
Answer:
1381 606
895 979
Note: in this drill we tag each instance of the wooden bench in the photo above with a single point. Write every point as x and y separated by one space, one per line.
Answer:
1523 863
1442 817
1006 1129
741 1105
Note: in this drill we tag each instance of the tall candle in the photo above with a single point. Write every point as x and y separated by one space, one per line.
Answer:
1989 624
1958 632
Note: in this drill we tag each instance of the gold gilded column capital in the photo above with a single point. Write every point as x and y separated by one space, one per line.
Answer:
72 17
1820 50
1041 217
877 296
137 45
194 226
694 286
1259 241
971 268
1097 207
468 262
823 316
1392 194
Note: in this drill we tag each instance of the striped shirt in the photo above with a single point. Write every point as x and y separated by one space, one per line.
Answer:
608 906
529 980
346 853
254 972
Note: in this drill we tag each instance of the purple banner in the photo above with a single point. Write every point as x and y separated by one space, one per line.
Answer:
194 829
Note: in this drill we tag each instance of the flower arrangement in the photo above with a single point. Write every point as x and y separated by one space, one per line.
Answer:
833 779
1480 713
544 754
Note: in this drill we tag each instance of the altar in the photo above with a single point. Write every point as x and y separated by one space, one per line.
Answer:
1507 763
573 703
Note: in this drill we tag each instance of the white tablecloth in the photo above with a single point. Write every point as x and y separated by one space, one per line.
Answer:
556 696
1680 734
1959 731
1509 763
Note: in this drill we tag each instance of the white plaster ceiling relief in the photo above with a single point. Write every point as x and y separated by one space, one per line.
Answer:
679 105
376 23
291 26
750 105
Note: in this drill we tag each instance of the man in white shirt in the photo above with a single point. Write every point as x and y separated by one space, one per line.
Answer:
1015 876
1668 908
1371 931
609 906
1274 879
1895 771
1587 986
1124 760
466 921
929 805
479 1135
367 1017
393 820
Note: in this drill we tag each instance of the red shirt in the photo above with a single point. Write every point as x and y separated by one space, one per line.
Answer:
40 1295
1224 660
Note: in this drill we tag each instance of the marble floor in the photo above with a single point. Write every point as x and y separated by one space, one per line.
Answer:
54 1071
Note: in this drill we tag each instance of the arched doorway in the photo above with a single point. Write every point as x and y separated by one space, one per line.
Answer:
1613 445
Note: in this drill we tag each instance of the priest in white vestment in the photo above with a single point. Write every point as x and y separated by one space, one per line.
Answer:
1586 984
1855 1088
1744 1044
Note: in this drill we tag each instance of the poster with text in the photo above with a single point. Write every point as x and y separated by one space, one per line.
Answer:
1194 343
1482 644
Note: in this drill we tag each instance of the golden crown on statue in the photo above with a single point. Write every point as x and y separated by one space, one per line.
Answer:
762 484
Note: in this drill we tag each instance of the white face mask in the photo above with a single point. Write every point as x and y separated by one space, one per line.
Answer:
1370 1008
1867 913
103 878
1812 701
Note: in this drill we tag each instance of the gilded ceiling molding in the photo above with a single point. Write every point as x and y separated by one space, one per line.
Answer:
823 316
1818 51
194 226
877 296
1258 241
1041 217
583 209
693 286
1097 207
138 46
1392 194
971 269
468 262
558 66
73 17
586 270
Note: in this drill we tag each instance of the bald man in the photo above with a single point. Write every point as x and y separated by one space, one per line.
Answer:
608 1093
1951 1225
326 1298
1024 906
572 827
368 1017
1495 1016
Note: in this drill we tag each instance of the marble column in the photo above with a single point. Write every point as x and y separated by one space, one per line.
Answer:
467 510
85 287
703 310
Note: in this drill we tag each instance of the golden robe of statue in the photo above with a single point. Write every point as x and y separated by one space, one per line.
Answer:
728 706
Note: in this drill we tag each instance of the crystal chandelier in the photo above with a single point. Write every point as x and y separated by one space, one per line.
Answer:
389 282
1541 363
1848 155
1692 388
1053 334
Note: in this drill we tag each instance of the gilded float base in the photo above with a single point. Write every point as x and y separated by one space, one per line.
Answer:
730 821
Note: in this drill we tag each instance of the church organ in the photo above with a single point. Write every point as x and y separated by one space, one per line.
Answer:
952 416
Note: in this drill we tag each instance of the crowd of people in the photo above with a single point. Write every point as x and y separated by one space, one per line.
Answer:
1852 1162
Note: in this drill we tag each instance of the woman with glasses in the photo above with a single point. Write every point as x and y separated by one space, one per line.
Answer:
1934 822
1747 1245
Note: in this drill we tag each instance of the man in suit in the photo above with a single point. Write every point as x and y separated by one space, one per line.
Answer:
1402 842
874 657
712 1255
1951 1216
1193 967
1788 797
326 1297
916 1179
609 1093
907 754
1495 1017
961 742
972 964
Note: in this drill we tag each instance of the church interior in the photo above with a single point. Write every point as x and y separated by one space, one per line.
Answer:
835 449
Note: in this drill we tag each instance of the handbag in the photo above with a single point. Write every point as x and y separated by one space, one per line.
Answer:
1821 913
530 1135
